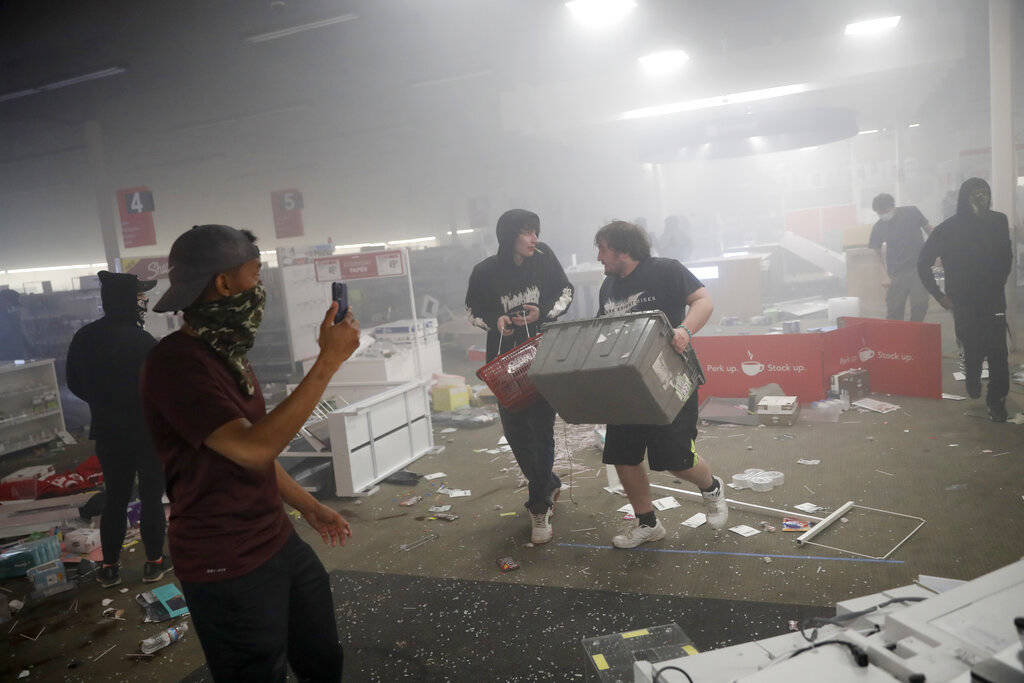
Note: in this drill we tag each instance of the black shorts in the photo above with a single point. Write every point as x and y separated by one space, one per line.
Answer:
668 447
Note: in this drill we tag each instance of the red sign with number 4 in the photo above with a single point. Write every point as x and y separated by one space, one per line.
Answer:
136 207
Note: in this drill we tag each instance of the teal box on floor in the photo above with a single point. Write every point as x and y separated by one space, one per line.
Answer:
47 575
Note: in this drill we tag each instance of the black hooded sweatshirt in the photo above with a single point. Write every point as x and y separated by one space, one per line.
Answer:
976 256
105 359
498 286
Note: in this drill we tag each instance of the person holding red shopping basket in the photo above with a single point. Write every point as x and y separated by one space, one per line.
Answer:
510 295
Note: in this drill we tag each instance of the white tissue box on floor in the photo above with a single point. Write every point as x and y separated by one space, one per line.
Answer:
778 410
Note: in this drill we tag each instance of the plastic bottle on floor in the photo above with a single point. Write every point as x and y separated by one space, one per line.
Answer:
163 639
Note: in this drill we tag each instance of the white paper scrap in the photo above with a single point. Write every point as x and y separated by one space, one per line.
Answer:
615 489
960 377
666 503
439 508
502 441
954 397
627 508
809 462
696 520
875 405
435 475
808 507
459 493
744 530
449 430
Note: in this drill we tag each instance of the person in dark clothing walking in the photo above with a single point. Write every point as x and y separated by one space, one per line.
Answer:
900 228
104 362
510 295
13 343
974 245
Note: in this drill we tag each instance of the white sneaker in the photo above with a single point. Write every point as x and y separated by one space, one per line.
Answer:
714 503
542 531
639 534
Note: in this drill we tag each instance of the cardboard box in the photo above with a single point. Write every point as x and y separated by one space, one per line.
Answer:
447 399
778 410
46 575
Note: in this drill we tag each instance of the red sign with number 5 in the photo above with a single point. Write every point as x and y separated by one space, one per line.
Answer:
287 206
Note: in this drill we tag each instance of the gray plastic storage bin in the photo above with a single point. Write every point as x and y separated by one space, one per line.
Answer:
614 370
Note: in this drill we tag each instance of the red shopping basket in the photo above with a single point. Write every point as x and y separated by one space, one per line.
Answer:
506 375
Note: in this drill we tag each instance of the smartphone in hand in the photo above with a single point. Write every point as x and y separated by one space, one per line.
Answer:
339 293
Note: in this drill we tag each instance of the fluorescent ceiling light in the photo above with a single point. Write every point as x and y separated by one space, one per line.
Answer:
464 231
74 80
360 245
868 132
717 101
77 266
914 125
413 240
598 14
664 63
292 30
872 26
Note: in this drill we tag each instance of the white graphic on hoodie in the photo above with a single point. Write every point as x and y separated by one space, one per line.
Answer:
530 295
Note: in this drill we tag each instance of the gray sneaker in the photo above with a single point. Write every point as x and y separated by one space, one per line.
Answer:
541 531
108 575
638 534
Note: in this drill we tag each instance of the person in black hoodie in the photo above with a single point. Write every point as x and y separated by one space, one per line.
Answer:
104 363
510 295
974 245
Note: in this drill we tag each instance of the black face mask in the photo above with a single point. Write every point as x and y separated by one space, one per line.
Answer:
141 306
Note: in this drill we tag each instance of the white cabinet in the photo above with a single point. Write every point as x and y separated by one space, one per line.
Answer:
30 408
381 428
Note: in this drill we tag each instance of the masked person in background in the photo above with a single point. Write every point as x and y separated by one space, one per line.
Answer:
258 595
510 295
902 230
974 245
104 363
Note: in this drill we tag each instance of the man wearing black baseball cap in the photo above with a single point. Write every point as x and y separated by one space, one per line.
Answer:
258 595
104 362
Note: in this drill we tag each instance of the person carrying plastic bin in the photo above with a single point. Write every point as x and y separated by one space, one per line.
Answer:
637 281
258 595
510 295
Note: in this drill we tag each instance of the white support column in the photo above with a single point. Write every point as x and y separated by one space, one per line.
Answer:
1001 17
104 194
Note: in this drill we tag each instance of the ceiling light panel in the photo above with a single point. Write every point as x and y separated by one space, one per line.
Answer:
872 26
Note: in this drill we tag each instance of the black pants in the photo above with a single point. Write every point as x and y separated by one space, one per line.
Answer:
282 612
531 434
121 461
984 337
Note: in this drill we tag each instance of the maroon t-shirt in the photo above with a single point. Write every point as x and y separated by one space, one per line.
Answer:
226 520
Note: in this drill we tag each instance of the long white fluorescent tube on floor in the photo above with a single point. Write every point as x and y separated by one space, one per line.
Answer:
872 26
716 101
292 30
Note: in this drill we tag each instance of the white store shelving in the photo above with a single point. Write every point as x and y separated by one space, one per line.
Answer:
30 407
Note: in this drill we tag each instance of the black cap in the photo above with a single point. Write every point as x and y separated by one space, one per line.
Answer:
107 278
198 255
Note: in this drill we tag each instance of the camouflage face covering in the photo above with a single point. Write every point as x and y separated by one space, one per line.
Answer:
229 326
